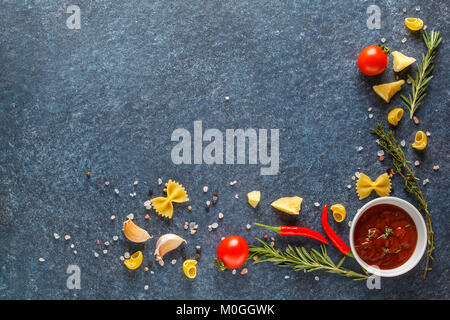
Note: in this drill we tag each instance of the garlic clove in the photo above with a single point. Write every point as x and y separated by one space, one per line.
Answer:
166 243
135 233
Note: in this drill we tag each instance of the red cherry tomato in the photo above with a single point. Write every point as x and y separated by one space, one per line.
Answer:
372 61
233 251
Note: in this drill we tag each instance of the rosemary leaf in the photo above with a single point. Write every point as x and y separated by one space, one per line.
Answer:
298 258
423 74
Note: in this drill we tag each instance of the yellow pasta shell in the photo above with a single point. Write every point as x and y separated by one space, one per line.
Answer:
134 261
420 141
395 116
190 268
339 212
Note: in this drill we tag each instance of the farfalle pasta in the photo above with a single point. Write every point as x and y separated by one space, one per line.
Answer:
364 186
175 193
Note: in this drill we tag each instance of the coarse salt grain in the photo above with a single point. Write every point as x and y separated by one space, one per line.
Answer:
286 277
425 181
75 251
248 226
67 237
105 251
205 189
403 143
234 271
316 204
72 246
383 40
220 215
159 181
106 243
146 287
349 186
135 183
380 153
370 115
436 167
403 40
56 236
173 261
227 98
360 148
96 254
428 133
357 174
232 183
148 204
350 223
215 225
122 258
116 191
115 238
41 259
236 196
113 217
106 183
416 163
126 255
316 278
130 216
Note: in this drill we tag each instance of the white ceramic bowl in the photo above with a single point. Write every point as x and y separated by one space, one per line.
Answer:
421 237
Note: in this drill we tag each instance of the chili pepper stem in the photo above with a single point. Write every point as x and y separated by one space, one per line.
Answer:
276 229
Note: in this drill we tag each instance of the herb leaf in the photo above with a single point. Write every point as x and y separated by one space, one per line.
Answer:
298 258
423 74
388 142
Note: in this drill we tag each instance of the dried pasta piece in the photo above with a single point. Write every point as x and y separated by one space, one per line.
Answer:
289 205
175 193
190 268
364 186
420 141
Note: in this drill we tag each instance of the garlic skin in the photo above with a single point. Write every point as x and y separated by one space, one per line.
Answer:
166 243
135 233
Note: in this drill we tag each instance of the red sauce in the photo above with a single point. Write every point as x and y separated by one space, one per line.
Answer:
385 236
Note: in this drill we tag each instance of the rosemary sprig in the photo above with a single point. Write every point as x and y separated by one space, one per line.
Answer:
298 258
388 142
423 77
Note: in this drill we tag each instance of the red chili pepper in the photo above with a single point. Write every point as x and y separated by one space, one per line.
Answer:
335 239
296 231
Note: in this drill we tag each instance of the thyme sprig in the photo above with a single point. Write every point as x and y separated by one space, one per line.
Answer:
298 258
388 142
423 74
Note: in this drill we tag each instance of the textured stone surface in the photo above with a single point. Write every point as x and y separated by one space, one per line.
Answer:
107 97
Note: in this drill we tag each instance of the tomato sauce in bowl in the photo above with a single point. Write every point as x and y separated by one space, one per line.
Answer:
385 236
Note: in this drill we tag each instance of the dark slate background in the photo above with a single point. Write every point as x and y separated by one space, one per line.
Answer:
107 97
